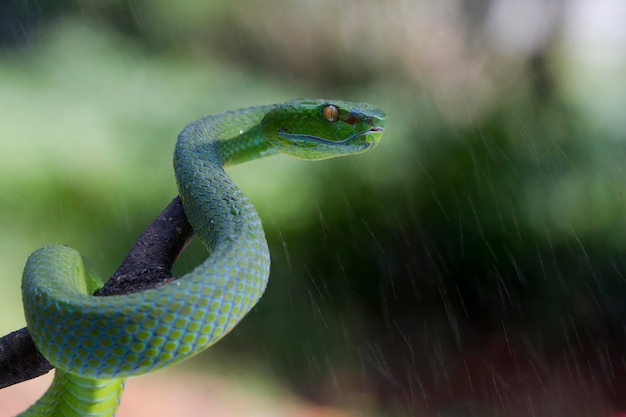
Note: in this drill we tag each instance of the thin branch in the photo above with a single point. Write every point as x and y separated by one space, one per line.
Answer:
147 265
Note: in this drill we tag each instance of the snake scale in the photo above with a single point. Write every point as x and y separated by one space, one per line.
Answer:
97 342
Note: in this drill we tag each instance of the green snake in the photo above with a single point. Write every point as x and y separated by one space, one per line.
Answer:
97 342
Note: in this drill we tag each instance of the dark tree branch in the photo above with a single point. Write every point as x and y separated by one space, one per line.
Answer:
147 265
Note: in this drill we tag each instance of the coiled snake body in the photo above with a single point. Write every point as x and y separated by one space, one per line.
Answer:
96 342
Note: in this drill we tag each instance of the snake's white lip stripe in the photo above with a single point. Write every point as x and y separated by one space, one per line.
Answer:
331 142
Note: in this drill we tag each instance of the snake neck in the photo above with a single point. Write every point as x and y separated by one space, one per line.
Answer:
228 138
216 208
246 147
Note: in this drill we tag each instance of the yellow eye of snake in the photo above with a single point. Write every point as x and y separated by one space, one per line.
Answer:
331 113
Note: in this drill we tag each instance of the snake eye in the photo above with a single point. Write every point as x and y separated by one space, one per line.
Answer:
331 113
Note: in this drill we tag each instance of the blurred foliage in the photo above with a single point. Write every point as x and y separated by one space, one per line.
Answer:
494 204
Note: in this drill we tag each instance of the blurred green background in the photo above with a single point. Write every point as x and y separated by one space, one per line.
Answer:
473 264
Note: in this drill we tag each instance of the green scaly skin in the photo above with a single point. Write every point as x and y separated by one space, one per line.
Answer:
96 342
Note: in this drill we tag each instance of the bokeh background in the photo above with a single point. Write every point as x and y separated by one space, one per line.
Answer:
472 265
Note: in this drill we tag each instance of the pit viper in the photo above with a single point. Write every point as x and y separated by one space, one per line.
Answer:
96 342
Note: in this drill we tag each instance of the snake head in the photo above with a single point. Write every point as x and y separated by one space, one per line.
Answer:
320 129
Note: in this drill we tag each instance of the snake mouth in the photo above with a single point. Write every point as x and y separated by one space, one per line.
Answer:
298 136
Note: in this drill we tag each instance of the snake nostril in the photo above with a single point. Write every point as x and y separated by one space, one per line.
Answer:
350 120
